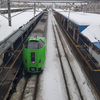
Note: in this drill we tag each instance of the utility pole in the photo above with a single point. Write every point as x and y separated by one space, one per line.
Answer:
1 3
38 6
9 13
66 6
81 7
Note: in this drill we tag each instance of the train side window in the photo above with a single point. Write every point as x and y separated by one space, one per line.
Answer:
41 43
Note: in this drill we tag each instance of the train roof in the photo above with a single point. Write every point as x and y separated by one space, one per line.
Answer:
36 38
15 23
88 24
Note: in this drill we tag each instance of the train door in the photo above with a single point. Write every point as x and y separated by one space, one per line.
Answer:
32 57
33 61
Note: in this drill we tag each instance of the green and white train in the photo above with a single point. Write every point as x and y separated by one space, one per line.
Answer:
34 54
34 48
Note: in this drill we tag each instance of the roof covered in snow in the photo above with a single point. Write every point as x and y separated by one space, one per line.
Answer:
92 21
17 21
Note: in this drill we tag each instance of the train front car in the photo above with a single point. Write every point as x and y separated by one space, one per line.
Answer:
34 54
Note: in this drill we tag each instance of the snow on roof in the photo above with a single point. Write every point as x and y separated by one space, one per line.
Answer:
12 8
92 32
17 22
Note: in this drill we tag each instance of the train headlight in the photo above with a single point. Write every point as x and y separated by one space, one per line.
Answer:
32 69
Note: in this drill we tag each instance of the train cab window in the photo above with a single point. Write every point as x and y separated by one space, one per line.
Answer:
32 44
41 43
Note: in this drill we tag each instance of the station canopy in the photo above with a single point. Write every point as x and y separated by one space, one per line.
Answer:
52 1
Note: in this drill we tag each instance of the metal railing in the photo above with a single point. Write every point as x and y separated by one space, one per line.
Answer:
92 8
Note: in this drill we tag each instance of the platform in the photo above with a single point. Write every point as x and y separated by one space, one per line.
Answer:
10 74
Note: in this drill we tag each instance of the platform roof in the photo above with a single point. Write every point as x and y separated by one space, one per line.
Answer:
88 24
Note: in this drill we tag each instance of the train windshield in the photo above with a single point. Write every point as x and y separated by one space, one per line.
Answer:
34 44
41 43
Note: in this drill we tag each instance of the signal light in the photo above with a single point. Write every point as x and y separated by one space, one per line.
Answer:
32 69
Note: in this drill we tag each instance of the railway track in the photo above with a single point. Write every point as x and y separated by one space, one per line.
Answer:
26 88
68 73
76 90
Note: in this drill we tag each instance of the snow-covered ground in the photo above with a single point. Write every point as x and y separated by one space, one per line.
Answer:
92 32
17 21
